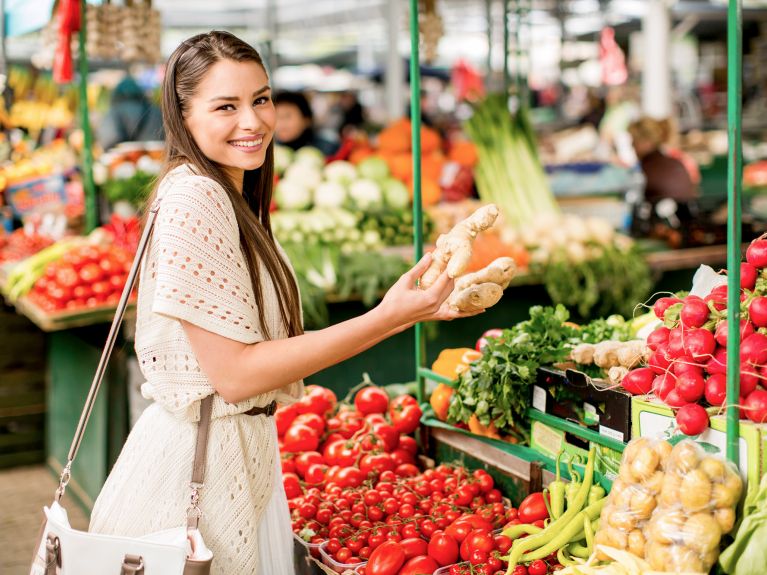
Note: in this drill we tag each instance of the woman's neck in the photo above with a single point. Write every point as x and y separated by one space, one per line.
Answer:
236 176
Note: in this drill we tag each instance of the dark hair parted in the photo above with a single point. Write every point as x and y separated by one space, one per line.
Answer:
185 70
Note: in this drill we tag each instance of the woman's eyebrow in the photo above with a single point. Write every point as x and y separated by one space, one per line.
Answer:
235 98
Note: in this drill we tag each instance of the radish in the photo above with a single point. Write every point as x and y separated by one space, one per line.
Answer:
718 363
690 386
663 384
658 337
638 381
720 302
749 379
747 276
692 419
720 335
756 254
694 312
673 399
676 342
659 361
699 343
660 306
685 364
757 311
720 291
753 350
716 389
756 406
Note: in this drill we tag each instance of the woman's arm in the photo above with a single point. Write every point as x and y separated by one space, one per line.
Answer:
239 371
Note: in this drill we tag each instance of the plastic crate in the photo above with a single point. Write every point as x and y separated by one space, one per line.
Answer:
335 565
312 549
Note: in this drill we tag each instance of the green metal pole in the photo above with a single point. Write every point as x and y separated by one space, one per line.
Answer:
734 174
518 48
89 188
489 20
506 47
415 120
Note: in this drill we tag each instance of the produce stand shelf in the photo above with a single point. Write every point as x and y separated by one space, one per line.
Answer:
575 429
50 322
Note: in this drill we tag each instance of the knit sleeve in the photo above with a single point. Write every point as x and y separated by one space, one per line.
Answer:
201 275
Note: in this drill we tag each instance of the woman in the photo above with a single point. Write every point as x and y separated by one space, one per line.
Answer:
219 313
295 124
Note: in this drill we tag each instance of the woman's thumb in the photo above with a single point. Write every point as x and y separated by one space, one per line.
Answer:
418 269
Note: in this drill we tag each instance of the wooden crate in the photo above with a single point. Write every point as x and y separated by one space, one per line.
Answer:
22 390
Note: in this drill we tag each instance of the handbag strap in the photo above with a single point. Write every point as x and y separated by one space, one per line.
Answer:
206 404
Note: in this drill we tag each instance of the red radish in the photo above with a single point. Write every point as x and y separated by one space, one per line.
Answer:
756 254
694 313
720 291
685 364
718 363
749 379
716 389
638 381
747 276
659 361
690 386
720 302
757 311
673 399
720 335
663 384
658 337
753 349
676 342
699 343
692 419
660 306
756 406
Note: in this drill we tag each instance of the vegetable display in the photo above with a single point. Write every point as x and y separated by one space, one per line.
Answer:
747 555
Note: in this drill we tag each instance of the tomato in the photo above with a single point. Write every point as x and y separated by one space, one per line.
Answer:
406 419
317 399
343 453
375 418
304 460
443 548
480 539
419 565
477 557
386 559
91 273
463 496
101 288
400 456
406 470
312 420
301 438
408 444
371 400
350 477
414 546
343 555
117 282
537 567
292 485
376 462
315 473
519 570
533 508
388 434
372 442
67 277
458 530
489 334
288 463
484 479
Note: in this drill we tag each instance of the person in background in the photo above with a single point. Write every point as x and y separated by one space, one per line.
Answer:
132 117
353 115
295 124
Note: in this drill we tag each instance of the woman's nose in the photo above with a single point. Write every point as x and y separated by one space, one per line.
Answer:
249 119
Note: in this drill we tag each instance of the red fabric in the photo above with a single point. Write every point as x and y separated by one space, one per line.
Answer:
69 24
611 57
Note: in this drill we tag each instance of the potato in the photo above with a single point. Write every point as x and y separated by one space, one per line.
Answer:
626 475
723 497
669 494
634 448
734 483
623 520
713 468
710 558
695 491
644 464
665 527
658 555
654 483
642 504
684 457
725 517
615 537
602 538
663 449
636 543
683 558
622 499
702 532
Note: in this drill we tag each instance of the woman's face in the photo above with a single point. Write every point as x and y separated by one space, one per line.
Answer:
290 122
231 116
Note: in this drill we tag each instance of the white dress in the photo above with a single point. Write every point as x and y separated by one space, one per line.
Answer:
195 271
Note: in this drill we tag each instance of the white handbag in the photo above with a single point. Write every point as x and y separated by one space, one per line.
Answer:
179 551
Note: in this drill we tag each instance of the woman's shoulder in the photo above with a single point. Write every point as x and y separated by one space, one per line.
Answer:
183 186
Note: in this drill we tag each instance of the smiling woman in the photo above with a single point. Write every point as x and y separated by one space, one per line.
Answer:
219 315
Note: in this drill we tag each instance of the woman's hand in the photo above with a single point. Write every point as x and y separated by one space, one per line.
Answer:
405 304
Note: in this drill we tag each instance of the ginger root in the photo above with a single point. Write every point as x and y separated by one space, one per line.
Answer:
453 251
484 288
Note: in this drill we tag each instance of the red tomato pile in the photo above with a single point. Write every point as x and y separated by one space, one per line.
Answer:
688 364
88 276
19 245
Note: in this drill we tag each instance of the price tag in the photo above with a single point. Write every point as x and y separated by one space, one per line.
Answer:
611 433
539 398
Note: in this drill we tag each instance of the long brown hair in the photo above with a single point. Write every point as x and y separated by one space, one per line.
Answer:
185 70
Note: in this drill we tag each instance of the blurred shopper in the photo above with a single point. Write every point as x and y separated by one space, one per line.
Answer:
295 124
132 117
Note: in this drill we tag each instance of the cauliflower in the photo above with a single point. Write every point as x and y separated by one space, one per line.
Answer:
395 193
366 194
341 172
283 157
292 195
373 168
305 174
311 156
329 195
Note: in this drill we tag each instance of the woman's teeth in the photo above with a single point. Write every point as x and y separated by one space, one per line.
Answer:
247 144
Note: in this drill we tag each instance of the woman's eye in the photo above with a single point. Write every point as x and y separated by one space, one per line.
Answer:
262 100
226 107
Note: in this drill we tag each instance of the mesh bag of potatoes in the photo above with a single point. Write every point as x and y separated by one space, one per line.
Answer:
695 508
633 497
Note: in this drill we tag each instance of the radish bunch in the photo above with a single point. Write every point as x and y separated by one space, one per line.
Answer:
688 364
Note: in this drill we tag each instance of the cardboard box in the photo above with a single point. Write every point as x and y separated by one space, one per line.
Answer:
651 418
590 402
549 441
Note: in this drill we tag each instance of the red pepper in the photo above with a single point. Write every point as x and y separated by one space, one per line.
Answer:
533 508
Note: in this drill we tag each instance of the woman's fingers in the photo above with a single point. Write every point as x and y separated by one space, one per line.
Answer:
442 288
418 269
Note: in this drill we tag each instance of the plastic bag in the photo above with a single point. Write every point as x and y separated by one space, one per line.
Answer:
695 508
634 496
